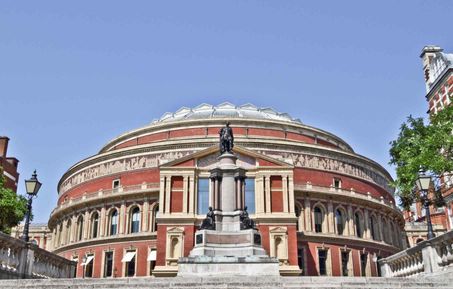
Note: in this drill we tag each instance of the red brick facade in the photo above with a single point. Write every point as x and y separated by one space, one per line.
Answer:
143 193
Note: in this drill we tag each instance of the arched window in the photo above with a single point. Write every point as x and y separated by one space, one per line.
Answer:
319 219
386 230
68 232
135 220
79 228
340 220
374 228
94 225
113 223
358 225
154 225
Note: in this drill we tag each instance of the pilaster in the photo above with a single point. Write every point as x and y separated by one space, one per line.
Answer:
267 188
307 214
145 214
285 193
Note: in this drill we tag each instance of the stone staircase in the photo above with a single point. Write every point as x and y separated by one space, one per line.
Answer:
231 282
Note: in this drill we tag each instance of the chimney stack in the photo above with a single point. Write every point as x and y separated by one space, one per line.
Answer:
427 55
3 146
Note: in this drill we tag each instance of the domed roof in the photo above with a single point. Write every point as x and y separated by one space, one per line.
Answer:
225 110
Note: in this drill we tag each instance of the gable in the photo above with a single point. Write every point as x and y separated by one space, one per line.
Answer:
208 158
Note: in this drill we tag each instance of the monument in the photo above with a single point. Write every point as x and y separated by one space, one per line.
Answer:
227 242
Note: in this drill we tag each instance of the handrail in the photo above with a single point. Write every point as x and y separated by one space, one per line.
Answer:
425 258
19 259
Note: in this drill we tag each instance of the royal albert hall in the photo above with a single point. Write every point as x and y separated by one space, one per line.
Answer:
133 208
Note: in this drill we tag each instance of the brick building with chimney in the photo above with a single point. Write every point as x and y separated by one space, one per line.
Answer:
438 75
8 165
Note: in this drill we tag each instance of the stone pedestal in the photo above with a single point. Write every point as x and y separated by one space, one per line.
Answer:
228 266
228 250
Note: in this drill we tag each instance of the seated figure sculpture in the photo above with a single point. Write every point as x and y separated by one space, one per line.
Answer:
246 222
208 223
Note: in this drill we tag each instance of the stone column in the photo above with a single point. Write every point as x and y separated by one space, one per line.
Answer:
63 233
259 194
238 187
242 194
366 222
74 228
212 192
285 194
291 194
380 230
103 222
185 194
162 194
122 218
351 221
191 195
167 194
307 214
216 194
267 184
330 217
145 213
86 225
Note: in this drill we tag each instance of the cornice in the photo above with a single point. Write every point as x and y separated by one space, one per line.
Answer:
346 241
200 144
258 123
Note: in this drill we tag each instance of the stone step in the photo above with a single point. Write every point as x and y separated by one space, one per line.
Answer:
231 283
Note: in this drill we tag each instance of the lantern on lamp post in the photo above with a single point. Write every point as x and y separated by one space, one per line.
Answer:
424 183
32 187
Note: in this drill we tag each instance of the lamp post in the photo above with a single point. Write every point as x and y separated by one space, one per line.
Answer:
32 187
423 183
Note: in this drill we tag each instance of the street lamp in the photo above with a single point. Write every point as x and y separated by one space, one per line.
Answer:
423 183
32 187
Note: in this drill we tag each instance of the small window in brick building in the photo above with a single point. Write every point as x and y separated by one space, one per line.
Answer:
344 263
116 184
363 263
322 259
337 183
108 264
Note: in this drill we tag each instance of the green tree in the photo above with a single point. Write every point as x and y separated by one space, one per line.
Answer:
420 145
12 207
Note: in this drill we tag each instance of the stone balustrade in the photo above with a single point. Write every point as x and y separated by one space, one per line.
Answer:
19 259
308 187
429 257
101 194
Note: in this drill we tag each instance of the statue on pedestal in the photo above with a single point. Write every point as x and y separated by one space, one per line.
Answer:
226 139
246 222
208 222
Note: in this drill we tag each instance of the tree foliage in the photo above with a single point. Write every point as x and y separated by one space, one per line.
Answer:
12 207
420 145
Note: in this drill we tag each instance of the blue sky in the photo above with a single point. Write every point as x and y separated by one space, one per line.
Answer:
74 75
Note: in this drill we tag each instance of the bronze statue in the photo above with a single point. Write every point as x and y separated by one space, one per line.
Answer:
226 139
208 223
246 222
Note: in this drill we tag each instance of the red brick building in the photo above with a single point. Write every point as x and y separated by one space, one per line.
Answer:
438 72
133 208
8 165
